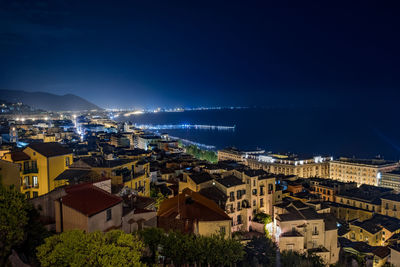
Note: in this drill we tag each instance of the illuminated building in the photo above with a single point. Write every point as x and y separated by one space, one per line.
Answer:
40 164
300 228
391 180
287 164
391 205
361 171
145 141
374 231
237 204
237 155
366 197
260 189
327 189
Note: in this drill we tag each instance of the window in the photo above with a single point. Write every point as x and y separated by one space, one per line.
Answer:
261 202
238 206
239 219
222 230
34 165
67 161
26 165
35 181
26 180
315 230
35 194
28 195
232 196
254 203
109 215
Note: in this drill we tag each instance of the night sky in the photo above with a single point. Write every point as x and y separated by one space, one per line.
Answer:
192 53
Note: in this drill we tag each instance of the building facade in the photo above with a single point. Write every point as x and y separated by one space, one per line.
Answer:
361 171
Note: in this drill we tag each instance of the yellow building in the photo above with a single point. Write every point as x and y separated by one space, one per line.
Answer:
391 205
123 172
361 171
9 174
195 181
231 154
374 231
40 164
366 197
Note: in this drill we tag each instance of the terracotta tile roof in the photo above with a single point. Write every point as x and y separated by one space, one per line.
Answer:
19 156
89 199
382 252
50 149
192 205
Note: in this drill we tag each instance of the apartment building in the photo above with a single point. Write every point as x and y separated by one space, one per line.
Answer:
374 231
290 164
391 180
365 197
390 205
123 172
327 189
361 171
301 228
234 154
237 206
40 164
260 189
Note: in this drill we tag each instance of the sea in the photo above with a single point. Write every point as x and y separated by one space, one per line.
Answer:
303 131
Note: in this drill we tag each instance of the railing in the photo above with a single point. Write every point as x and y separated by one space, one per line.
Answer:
31 170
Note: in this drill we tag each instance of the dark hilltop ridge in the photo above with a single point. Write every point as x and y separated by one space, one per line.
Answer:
48 101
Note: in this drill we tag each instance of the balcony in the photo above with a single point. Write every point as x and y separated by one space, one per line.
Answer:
31 170
27 186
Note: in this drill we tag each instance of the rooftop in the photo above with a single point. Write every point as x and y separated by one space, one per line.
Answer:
89 199
230 181
19 156
192 206
394 197
372 162
200 177
50 149
100 162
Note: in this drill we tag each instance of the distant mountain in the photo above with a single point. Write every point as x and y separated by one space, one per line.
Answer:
47 101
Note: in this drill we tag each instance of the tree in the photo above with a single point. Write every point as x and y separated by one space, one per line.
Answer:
159 199
260 251
203 250
35 233
77 248
152 239
13 219
293 258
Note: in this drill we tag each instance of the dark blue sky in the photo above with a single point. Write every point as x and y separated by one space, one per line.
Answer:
191 53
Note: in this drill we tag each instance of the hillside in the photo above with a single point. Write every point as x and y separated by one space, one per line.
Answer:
47 101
